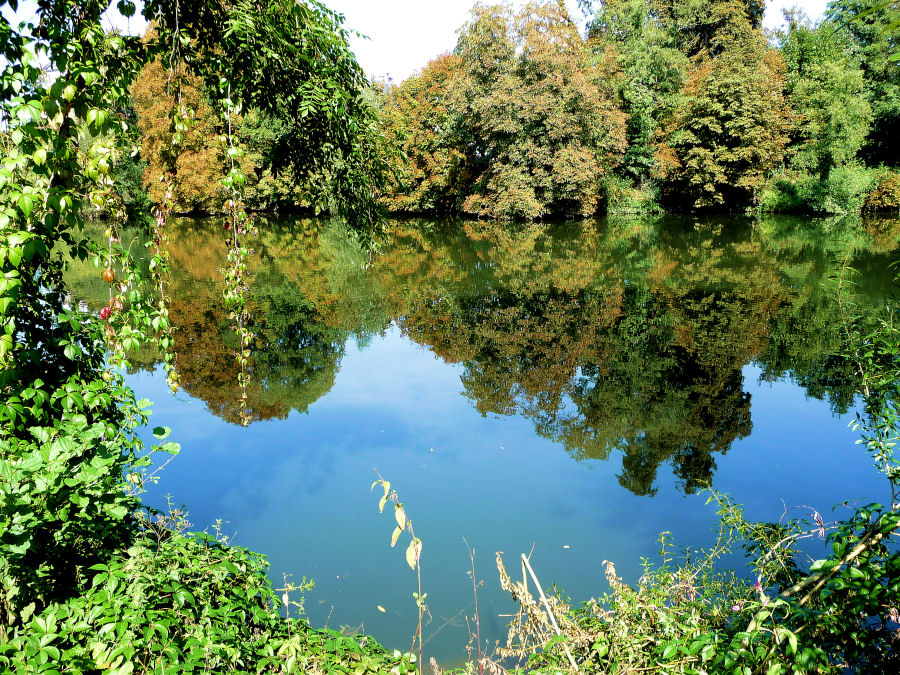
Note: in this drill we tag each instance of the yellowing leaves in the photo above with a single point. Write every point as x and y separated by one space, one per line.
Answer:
413 552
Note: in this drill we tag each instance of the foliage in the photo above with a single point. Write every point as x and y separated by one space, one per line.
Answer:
517 123
835 115
291 61
714 117
731 128
885 193
845 189
652 71
200 162
421 119
872 27
89 578
543 117
622 197
173 602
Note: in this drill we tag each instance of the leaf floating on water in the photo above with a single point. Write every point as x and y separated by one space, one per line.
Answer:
381 609
395 536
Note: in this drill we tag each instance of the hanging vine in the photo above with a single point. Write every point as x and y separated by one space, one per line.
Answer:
182 118
238 225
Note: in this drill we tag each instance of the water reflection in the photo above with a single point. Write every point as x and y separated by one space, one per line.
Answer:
627 335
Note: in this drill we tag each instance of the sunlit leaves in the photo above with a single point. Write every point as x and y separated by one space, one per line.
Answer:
293 58
731 127
413 552
517 123
400 515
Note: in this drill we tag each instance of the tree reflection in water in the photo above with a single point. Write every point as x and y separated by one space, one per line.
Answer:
625 337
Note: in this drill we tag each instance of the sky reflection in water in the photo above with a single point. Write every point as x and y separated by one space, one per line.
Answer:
672 356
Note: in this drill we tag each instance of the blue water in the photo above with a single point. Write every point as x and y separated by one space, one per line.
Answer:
630 362
299 491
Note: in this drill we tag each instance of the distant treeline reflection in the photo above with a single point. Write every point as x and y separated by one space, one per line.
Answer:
625 335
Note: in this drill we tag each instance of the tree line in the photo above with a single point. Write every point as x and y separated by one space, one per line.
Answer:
658 105
663 104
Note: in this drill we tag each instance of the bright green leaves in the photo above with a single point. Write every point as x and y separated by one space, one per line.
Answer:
20 246
26 203
6 341
96 118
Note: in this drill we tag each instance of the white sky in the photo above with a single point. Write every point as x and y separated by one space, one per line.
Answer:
406 34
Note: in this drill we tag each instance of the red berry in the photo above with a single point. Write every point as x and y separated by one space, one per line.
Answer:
105 312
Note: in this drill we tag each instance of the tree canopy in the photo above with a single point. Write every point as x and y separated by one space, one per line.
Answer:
675 105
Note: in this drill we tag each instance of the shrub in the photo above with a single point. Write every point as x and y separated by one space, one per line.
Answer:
623 197
844 190
885 192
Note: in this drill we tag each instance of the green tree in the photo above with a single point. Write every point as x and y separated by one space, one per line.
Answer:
872 26
731 128
826 88
543 121
632 33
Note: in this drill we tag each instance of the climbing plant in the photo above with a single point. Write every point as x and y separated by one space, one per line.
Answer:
90 578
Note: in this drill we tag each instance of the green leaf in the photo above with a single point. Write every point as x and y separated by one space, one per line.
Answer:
5 345
117 512
26 204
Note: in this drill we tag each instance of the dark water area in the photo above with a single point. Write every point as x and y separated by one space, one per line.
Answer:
570 389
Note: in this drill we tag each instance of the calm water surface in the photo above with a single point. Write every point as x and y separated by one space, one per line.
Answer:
569 389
